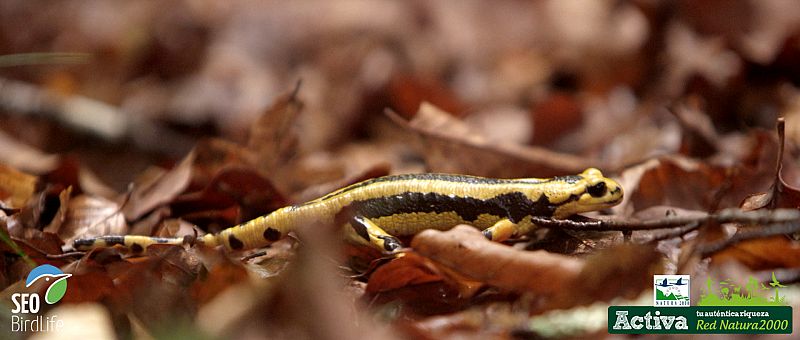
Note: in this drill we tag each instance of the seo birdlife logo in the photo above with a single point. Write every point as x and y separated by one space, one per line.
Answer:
30 303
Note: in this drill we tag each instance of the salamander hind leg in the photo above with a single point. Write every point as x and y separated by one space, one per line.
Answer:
372 234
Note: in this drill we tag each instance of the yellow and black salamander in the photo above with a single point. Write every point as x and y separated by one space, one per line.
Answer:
376 210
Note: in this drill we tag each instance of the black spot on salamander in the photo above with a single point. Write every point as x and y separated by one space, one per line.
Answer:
137 248
83 243
360 228
113 240
235 243
271 234
488 234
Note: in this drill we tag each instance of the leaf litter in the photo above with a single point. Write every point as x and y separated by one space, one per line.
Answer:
199 117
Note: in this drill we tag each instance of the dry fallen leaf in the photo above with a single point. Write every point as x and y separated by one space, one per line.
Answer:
273 137
465 250
768 252
15 187
160 190
442 137
763 254
89 216
407 93
240 187
593 82
780 193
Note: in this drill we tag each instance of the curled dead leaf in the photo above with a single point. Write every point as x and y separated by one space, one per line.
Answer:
159 190
406 93
24 157
89 216
775 251
763 253
273 138
622 271
61 214
422 285
780 193
465 250
242 187
449 146
16 187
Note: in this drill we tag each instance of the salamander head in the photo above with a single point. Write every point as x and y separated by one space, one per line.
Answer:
591 192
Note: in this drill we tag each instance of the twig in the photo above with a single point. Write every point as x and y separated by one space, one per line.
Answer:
724 216
69 254
680 232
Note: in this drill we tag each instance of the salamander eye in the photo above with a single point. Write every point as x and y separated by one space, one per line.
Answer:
597 190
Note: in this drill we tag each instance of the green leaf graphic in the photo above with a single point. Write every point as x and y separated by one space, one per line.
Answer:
56 291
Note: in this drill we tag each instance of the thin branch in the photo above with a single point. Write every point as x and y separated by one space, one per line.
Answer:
724 216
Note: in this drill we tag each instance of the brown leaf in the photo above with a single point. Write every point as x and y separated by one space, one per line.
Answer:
27 158
66 174
147 224
407 92
702 186
405 271
657 185
43 208
775 251
160 190
780 193
222 274
214 154
273 137
161 279
15 187
241 186
63 206
421 284
448 146
38 244
465 250
91 286
622 271
700 138
175 227
89 216
763 254
93 185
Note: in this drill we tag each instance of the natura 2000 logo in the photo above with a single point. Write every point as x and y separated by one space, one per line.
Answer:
671 290
26 304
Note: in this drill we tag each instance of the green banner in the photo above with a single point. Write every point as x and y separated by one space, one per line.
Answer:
700 320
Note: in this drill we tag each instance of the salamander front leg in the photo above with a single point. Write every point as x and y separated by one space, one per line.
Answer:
374 235
505 229
501 230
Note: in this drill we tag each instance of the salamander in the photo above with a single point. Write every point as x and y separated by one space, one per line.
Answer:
374 212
